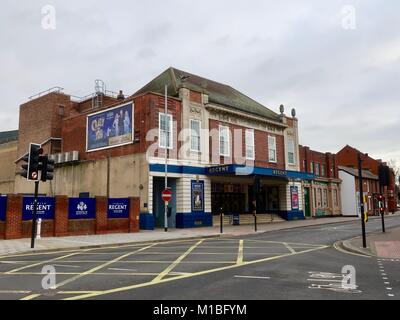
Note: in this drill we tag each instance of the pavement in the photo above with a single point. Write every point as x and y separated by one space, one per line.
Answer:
84 242
299 263
381 245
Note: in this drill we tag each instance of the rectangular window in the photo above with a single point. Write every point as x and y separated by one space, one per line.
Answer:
165 131
323 170
325 198
335 197
291 152
224 144
319 198
312 167
250 153
195 138
272 149
317 169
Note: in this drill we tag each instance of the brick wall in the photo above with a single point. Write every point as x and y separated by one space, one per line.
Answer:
238 148
40 119
329 160
2 230
61 226
146 117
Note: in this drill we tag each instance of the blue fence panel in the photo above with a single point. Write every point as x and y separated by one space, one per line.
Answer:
118 208
3 208
46 208
82 208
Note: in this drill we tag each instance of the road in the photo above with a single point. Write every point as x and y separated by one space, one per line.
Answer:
289 264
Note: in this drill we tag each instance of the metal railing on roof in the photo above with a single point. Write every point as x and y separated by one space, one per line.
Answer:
107 93
43 93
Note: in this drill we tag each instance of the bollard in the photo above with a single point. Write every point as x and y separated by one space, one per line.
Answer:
39 228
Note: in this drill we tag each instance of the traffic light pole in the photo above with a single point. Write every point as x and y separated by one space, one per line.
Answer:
34 216
360 180
382 212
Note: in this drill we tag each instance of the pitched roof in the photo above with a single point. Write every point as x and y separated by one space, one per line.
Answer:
218 93
354 172
8 136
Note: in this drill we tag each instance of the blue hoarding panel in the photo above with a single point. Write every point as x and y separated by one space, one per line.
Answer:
46 208
118 208
82 208
3 207
110 128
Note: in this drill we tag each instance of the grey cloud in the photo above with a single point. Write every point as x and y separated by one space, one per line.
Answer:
342 83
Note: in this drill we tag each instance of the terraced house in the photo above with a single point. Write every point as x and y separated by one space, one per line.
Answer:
225 151
322 195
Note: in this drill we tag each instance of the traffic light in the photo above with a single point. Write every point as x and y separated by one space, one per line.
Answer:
30 170
47 167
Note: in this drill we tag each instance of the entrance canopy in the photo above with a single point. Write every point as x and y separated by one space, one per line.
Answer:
233 169
239 170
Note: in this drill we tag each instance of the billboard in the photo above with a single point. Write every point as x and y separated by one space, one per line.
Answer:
197 196
82 208
3 207
295 198
110 128
45 208
118 208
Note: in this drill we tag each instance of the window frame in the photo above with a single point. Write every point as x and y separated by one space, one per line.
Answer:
191 135
291 149
272 149
170 145
227 142
252 145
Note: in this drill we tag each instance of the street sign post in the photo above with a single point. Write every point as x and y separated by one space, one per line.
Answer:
166 195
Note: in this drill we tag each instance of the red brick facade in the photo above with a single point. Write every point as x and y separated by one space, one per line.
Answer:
239 139
348 157
321 164
15 228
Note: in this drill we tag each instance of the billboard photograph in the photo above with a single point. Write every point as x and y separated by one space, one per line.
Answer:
110 128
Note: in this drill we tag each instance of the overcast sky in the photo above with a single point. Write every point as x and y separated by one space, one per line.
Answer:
341 74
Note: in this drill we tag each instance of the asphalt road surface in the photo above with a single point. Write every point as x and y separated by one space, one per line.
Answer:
300 263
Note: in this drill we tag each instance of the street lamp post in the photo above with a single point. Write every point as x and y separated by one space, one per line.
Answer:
360 180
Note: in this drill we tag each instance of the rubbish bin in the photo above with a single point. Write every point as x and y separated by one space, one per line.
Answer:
236 219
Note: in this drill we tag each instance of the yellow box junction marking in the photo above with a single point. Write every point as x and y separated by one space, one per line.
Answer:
240 253
151 283
101 266
175 263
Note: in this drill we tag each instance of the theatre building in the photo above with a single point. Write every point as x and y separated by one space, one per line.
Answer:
225 152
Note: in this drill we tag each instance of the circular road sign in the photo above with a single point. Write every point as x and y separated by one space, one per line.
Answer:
166 195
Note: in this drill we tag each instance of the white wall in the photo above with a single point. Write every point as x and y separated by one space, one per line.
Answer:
348 194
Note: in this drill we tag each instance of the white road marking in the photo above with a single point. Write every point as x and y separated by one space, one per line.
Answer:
253 277
65 266
117 269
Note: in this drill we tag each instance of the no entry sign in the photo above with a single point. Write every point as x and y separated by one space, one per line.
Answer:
166 195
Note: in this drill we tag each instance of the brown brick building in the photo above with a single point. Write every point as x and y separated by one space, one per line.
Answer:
348 157
322 196
219 143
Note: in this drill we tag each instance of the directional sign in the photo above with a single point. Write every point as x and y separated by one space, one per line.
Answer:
166 195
